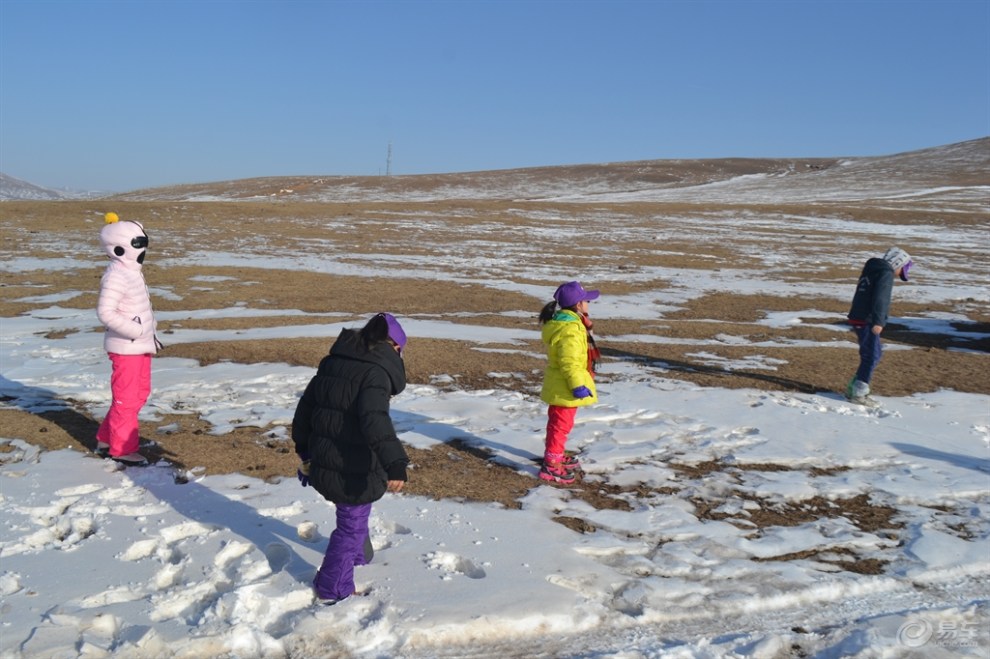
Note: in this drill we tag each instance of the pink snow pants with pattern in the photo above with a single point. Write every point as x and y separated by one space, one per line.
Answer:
130 386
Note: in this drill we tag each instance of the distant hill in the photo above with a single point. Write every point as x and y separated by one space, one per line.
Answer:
12 189
15 188
954 170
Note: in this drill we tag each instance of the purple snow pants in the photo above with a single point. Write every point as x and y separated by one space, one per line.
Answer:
335 579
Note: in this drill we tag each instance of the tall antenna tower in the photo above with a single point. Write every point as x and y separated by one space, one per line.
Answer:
388 161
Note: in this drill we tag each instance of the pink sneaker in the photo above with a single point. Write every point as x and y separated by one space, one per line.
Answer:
556 473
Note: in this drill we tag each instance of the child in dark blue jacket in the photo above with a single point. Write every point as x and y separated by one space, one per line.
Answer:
868 316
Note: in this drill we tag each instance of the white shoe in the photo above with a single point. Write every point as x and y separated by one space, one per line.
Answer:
102 448
858 392
131 459
858 389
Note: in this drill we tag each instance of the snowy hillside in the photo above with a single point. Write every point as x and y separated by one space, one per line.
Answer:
15 189
948 173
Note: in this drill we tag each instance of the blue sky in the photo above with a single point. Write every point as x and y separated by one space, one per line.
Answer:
118 95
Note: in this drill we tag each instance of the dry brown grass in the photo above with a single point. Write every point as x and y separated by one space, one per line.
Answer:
450 259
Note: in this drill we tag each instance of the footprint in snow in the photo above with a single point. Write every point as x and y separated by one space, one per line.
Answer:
398 529
583 585
278 556
79 490
452 564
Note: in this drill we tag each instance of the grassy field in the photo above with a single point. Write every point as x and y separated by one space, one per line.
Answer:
697 281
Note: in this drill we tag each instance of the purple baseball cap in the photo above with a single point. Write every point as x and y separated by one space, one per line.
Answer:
395 331
569 294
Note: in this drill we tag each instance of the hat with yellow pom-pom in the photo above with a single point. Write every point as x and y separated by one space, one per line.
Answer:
123 241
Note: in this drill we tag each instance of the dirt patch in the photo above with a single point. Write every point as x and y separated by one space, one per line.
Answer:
457 471
767 513
839 557
474 264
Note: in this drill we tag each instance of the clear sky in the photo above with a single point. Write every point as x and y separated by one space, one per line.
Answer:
123 94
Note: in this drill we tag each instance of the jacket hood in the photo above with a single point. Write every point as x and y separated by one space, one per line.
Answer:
349 346
120 240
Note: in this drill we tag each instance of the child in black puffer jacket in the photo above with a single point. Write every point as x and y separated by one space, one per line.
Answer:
348 446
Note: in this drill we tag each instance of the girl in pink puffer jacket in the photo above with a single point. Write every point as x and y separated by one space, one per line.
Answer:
124 308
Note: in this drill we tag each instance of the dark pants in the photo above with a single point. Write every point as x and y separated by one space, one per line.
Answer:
870 352
335 580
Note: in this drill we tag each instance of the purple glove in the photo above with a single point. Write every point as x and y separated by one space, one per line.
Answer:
302 473
582 392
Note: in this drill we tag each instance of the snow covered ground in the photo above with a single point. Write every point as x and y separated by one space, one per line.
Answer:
100 561
97 560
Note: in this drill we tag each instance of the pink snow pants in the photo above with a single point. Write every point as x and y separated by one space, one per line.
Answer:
560 422
130 386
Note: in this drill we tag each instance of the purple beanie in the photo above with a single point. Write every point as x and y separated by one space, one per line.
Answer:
395 331
569 294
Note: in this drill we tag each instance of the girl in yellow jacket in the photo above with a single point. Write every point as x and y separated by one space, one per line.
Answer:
567 382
